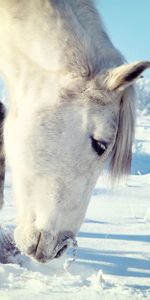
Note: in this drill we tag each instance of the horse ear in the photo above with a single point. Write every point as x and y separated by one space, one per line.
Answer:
123 76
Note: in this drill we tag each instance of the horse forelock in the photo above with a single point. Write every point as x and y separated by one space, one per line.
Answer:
120 164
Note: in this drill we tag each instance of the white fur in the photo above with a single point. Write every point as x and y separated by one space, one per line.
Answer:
54 57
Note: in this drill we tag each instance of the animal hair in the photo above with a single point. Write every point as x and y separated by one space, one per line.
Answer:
120 163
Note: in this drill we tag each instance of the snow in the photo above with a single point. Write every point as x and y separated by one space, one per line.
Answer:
112 260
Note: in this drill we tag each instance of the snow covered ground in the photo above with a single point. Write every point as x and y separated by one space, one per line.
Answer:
113 255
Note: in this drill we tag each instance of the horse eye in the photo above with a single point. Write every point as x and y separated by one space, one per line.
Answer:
99 146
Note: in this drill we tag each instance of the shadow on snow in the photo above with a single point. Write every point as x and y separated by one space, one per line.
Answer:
119 263
114 263
124 237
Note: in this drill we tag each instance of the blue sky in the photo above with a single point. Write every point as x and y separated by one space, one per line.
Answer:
128 25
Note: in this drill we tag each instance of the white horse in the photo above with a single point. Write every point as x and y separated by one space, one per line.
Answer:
71 106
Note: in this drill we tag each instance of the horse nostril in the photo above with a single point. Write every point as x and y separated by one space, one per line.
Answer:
61 251
63 242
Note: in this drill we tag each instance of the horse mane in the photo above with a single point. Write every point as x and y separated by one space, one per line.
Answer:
120 163
87 47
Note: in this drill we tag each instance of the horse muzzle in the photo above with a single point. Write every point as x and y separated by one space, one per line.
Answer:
49 247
